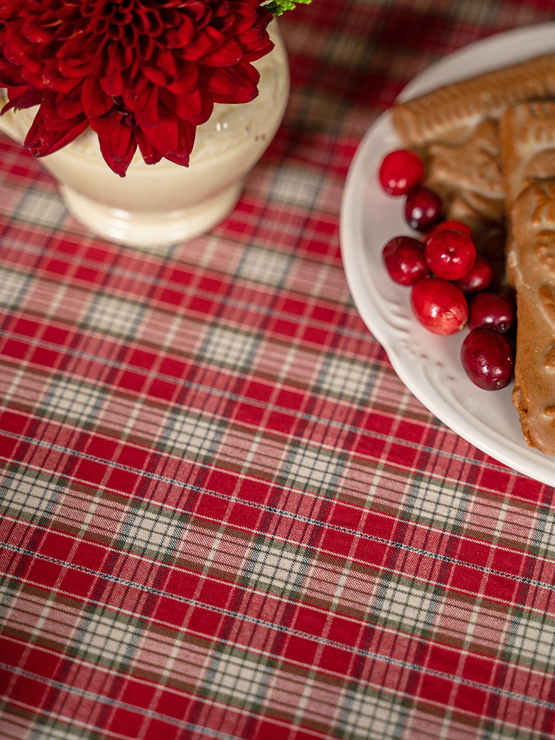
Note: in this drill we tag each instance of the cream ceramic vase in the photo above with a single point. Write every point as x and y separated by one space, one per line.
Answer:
158 205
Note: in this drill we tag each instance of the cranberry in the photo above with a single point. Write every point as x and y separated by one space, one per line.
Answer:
488 359
404 260
423 207
439 305
450 254
449 226
493 310
479 276
400 170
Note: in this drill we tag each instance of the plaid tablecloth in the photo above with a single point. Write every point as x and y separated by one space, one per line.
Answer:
223 515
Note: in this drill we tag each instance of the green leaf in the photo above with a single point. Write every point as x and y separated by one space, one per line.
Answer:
278 7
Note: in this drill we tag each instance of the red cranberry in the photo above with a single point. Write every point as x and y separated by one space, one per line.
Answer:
404 260
439 305
449 226
493 310
423 208
400 170
478 278
488 359
450 254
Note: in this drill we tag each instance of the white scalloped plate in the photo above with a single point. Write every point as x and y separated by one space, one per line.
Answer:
429 365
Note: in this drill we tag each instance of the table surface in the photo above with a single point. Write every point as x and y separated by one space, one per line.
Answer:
223 514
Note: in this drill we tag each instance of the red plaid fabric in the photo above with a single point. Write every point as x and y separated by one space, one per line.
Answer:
223 515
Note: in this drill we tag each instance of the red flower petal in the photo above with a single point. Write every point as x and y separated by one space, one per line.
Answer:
165 60
186 81
228 54
185 106
73 68
206 112
42 140
147 118
186 32
255 44
155 75
112 82
69 106
27 98
137 100
233 84
164 136
205 42
118 148
52 79
93 46
94 100
150 154
197 10
244 17
36 34
72 49
120 56
186 140
9 75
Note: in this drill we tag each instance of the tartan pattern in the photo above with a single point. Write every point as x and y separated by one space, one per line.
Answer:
222 515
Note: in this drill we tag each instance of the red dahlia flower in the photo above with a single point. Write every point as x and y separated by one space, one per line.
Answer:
140 72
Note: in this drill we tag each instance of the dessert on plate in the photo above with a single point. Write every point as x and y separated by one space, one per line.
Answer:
527 133
488 144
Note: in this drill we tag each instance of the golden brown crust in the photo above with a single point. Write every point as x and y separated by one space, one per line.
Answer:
527 136
468 175
439 113
533 229
527 133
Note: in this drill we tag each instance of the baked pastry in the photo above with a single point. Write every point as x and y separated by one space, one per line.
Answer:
467 175
445 113
527 141
455 131
533 232
527 133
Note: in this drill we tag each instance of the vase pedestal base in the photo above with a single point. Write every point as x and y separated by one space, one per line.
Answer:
151 229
